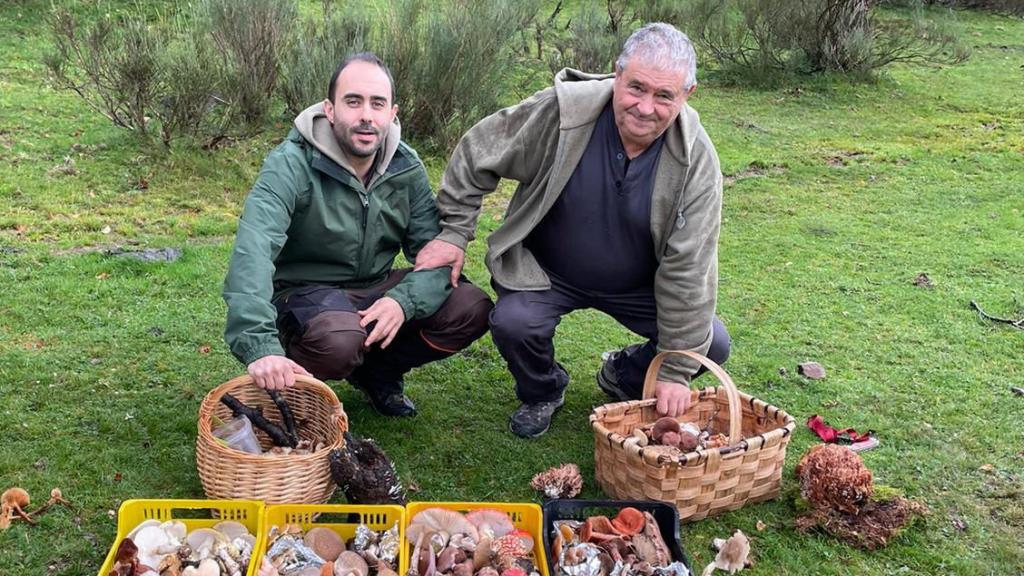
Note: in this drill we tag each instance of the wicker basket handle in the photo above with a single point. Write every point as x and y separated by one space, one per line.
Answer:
338 416
735 408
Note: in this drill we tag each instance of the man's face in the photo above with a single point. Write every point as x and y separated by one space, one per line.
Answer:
362 111
646 100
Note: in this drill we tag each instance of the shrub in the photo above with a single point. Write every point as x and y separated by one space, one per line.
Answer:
315 51
759 38
250 35
592 40
1014 7
111 65
451 61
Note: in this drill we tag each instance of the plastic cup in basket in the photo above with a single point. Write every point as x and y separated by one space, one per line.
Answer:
703 482
666 520
227 473
356 539
502 537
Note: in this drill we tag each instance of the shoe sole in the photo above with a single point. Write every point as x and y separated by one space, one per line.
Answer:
542 432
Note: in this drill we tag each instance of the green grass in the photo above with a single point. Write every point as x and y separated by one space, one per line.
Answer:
841 194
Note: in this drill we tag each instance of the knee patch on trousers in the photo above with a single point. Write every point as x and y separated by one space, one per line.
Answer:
331 346
460 320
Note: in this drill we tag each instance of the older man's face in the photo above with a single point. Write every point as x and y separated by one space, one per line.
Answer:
646 100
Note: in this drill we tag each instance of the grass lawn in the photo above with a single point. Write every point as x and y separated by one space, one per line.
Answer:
838 196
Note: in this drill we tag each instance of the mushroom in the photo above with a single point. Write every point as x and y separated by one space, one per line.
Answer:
732 554
141 525
327 569
652 532
384 569
490 522
439 520
463 569
834 477
687 441
482 554
597 529
12 502
428 562
350 564
150 541
563 481
629 521
448 558
662 426
231 529
325 542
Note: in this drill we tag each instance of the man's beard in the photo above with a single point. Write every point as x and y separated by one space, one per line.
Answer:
346 139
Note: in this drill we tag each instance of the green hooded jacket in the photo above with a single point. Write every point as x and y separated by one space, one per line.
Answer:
309 220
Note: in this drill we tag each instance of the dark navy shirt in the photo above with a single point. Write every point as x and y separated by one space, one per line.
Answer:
597 235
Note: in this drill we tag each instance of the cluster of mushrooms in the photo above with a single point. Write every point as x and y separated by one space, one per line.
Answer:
675 435
321 551
169 549
482 542
629 544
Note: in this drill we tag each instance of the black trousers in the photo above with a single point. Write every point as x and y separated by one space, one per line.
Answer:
319 328
523 327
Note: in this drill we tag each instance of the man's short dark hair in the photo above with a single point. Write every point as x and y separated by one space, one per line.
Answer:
361 57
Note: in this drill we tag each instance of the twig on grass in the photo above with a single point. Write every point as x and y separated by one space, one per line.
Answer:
1016 323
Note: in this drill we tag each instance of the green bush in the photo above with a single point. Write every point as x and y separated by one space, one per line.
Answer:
1014 7
316 49
760 38
111 64
592 40
451 61
249 36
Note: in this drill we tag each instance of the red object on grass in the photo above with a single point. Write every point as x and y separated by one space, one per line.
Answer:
832 435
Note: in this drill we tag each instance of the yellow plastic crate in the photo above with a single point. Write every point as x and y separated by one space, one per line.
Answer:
341 518
133 512
524 516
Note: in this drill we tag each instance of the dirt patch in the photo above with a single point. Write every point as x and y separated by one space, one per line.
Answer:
752 171
843 158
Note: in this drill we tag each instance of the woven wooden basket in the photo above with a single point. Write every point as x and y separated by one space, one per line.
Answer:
232 474
703 482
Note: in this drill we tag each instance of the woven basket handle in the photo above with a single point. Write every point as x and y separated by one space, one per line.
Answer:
735 408
338 417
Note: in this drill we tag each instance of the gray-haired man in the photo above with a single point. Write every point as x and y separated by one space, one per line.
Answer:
618 209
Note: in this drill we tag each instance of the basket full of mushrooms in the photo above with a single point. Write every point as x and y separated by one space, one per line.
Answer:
725 451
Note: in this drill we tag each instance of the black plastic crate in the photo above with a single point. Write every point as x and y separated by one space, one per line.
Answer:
563 509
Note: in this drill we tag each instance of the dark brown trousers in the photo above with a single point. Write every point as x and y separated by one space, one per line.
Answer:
319 328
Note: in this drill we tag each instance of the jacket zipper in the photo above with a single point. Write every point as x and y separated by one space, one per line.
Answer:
366 259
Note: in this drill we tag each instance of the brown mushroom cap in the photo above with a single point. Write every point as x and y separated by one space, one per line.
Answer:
687 441
350 564
663 425
327 543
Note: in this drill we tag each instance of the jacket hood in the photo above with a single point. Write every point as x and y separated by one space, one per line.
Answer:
583 96
313 125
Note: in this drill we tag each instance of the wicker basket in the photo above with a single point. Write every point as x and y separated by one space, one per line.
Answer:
232 474
703 482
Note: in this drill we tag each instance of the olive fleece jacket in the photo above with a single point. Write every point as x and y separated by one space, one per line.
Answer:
310 220
538 143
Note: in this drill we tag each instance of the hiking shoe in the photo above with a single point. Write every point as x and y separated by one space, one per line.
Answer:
608 379
531 420
386 403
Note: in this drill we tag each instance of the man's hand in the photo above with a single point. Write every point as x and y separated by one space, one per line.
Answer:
673 398
437 254
275 372
388 315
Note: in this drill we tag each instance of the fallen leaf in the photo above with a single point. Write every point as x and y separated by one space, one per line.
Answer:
958 523
40 464
117 476
830 403
986 468
204 349
761 526
103 276
811 370
111 514
129 416
106 230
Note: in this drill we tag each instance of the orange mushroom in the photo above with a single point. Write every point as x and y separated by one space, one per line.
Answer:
629 521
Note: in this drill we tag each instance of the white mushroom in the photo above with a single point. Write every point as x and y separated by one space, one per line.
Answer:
231 529
143 524
350 564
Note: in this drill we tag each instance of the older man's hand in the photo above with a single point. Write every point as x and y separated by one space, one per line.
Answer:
275 372
437 254
673 398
